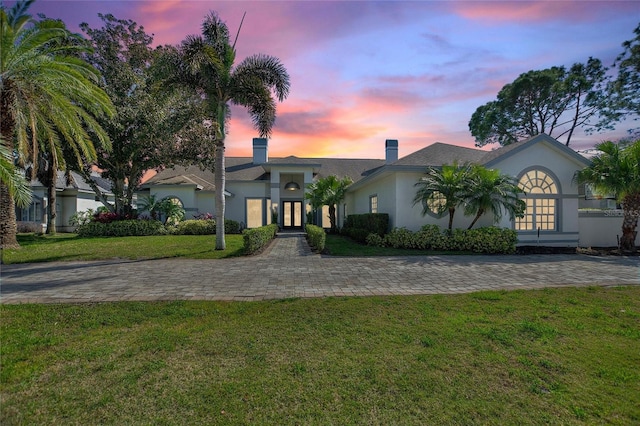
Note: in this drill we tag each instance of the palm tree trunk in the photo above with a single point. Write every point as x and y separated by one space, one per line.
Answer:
332 218
219 182
8 228
51 197
631 211
475 219
451 213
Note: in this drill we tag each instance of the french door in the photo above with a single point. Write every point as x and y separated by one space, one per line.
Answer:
292 214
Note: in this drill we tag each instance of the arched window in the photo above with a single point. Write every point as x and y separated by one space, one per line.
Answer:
541 197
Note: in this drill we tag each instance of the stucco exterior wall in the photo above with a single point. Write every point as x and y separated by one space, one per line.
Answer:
235 207
601 228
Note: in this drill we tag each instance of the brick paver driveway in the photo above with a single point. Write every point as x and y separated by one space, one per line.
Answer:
289 269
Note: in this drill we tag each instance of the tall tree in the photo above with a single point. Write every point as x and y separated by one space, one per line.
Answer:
151 128
626 88
554 101
443 189
48 96
490 191
328 191
206 64
616 170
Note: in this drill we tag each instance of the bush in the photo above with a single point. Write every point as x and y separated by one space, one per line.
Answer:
121 228
196 227
81 218
375 240
357 234
490 240
257 238
316 237
377 223
205 227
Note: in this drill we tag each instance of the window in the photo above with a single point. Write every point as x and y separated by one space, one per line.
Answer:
435 202
542 202
373 204
326 222
255 212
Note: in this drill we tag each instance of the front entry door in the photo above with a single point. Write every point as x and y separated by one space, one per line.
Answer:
292 214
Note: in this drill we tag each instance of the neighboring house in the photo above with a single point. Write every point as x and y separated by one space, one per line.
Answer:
259 188
71 197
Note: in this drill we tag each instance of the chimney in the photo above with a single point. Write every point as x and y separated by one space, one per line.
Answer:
260 155
391 151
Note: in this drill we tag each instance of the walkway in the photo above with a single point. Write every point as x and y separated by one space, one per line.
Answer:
289 269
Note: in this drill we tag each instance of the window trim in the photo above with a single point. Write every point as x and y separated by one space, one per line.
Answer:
557 197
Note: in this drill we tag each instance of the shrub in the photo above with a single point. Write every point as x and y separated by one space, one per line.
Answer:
371 222
357 234
375 240
257 238
205 227
400 238
121 228
81 218
196 227
316 237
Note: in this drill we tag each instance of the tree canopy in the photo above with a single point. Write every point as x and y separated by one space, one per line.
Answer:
152 128
328 191
555 101
626 88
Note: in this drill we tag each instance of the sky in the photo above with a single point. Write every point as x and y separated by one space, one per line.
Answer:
366 71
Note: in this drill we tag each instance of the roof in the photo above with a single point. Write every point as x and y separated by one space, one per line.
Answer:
77 182
441 153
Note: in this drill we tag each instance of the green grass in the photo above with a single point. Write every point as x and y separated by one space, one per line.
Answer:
339 245
555 356
64 247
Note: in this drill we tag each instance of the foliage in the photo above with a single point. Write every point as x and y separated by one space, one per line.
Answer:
121 228
490 191
566 356
442 189
256 239
328 191
555 101
489 240
316 236
377 223
166 209
81 218
12 179
205 227
626 88
205 65
49 99
151 129
616 170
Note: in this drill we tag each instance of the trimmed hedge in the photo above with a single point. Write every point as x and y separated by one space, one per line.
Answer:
122 228
490 240
377 223
205 227
316 237
257 238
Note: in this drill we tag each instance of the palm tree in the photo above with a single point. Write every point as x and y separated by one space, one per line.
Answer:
491 191
329 191
12 179
616 170
206 64
48 97
443 189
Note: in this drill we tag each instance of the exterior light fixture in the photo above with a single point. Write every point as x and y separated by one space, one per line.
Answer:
292 186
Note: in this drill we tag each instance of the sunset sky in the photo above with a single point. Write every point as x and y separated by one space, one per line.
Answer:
365 71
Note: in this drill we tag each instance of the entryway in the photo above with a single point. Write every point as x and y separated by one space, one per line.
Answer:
292 214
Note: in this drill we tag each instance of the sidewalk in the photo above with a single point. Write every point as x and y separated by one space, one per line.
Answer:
288 269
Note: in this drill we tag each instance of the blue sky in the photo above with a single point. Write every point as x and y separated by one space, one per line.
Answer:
366 71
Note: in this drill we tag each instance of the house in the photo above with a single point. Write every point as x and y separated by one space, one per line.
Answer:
72 195
260 189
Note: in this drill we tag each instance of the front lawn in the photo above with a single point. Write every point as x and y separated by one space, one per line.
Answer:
555 356
340 245
63 247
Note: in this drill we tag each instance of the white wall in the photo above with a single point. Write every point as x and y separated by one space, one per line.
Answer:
601 228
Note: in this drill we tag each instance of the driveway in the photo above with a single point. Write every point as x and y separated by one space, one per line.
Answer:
289 269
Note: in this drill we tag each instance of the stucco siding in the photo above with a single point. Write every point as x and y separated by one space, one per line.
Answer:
601 228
